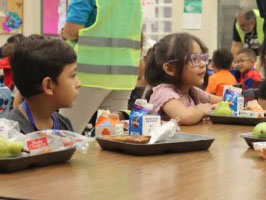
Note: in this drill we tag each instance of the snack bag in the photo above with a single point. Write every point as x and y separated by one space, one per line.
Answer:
254 106
45 141
253 110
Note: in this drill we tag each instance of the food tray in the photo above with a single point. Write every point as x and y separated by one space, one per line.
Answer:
10 198
181 143
26 161
236 120
249 138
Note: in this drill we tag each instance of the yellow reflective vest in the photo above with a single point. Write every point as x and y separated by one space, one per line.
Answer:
259 28
109 50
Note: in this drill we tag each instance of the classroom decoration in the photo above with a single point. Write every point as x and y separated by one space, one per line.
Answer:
11 14
192 14
53 16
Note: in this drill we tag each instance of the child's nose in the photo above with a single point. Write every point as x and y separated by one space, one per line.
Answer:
78 83
202 63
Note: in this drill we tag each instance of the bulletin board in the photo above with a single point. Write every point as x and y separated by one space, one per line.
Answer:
11 16
53 16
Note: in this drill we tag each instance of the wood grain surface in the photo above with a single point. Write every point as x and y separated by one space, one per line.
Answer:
228 170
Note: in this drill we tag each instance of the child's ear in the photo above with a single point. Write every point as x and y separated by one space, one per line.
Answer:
169 69
47 86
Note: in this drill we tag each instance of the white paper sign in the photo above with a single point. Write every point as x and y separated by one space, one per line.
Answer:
148 7
191 20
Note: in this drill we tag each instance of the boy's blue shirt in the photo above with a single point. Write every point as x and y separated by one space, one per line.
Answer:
250 79
82 12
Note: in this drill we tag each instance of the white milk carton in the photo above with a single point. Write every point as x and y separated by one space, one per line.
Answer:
149 123
240 105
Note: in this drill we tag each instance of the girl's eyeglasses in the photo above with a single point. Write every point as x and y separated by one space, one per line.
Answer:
196 59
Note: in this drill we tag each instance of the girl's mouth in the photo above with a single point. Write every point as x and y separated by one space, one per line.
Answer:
202 73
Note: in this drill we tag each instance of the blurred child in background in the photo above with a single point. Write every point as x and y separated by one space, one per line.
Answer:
175 68
221 63
44 71
5 52
250 77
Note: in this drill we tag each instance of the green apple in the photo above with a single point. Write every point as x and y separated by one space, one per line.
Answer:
223 109
15 148
9 148
260 130
3 148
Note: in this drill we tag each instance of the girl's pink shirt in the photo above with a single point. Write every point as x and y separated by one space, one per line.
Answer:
165 92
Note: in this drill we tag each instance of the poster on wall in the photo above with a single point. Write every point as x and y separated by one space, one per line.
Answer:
11 16
192 14
53 16
148 8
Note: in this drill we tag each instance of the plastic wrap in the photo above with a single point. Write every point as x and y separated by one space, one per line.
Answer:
260 147
54 140
166 131
10 130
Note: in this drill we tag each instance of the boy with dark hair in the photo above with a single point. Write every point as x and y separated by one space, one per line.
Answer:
250 77
221 63
44 71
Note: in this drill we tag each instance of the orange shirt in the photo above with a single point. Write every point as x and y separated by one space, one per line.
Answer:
218 80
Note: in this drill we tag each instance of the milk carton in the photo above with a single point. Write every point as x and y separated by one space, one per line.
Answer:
108 124
143 124
140 121
233 96
109 128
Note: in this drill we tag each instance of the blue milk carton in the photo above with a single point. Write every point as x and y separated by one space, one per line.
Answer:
233 96
140 108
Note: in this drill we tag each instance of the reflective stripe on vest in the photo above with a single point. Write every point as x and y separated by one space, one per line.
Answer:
101 69
108 42
259 28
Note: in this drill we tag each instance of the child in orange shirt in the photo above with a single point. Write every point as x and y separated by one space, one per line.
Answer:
221 63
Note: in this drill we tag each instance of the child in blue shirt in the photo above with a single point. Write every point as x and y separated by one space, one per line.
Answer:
250 77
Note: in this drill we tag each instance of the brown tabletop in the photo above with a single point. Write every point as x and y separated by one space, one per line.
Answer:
228 170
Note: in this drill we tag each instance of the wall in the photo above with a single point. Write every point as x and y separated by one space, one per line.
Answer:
226 14
31 19
208 33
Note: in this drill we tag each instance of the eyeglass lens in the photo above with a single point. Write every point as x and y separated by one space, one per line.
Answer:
196 59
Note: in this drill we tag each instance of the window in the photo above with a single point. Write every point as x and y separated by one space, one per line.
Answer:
162 25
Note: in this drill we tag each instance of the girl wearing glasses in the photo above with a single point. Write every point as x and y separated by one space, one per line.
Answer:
175 69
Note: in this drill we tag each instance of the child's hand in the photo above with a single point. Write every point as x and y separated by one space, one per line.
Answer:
214 106
205 108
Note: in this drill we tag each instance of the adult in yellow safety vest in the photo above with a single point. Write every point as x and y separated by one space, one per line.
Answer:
106 36
247 31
